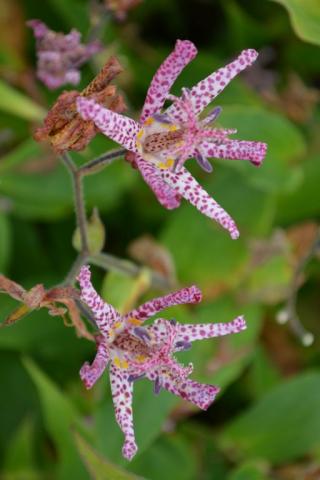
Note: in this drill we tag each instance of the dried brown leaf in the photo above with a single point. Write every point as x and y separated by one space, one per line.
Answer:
38 297
16 315
64 128
34 297
12 288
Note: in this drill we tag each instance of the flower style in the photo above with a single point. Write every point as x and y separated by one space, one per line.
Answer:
59 55
134 351
161 142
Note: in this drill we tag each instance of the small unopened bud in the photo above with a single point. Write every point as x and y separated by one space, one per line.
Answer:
96 234
282 316
307 339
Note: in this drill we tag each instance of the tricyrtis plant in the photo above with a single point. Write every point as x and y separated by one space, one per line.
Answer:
162 141
159 145
135 352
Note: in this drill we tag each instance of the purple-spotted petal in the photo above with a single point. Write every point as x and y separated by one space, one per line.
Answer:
89 374
186 186
119 128
165 194
200 394
121 389
148 309
165 76
104 313
192 332
206 90
236 150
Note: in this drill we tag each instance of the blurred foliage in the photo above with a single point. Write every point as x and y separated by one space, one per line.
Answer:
265 422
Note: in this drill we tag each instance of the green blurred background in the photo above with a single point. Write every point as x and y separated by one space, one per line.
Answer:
265 423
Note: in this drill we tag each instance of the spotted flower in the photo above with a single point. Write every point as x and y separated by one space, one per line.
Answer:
59 55
162 140
134 352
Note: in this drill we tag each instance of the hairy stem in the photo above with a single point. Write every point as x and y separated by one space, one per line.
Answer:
94 166
109 262
74 270
78 200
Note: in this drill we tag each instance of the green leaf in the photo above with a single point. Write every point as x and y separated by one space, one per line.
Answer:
99 467
170 456
278 172
20 456
5 241
269 281
284 425
16 103
304 201
250 470
24 152
305 18
60 417
263 374
216 259
75 12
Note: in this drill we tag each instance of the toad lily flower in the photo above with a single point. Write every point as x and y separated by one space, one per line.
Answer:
162 141
134 351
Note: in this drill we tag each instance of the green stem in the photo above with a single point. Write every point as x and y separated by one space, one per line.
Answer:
109 262
93 166
79 201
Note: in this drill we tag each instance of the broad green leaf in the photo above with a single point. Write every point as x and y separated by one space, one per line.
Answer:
250 470
5 241
263 374
304 201
269 281
305 18
170 456
60 417
14 407
284 425
99 467
74 12
23 153
46 337
203 251
286 144
16 103
20 455
48 195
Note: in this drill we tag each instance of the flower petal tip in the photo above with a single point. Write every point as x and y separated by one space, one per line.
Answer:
84 273
240 324
261 151
129 449
249 56
196 294
86 376
186 48
234 233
